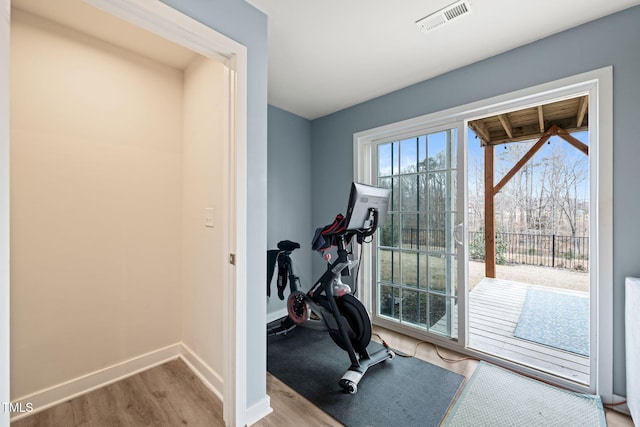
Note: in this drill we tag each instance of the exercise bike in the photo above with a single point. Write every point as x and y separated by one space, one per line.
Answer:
330 305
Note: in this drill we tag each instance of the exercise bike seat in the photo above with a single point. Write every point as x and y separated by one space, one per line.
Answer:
288 245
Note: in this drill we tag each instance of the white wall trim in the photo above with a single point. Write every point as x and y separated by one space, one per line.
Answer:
183 30
209 377
259 410
5 11
601 161
51 396
278 314
235 296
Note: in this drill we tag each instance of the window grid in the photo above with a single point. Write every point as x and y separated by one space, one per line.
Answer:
407 249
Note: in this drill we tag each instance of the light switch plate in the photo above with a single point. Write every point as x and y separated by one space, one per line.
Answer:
208 217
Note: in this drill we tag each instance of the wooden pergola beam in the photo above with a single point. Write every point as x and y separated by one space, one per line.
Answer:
553 130
530 123
480 129
523 161
582 110
573 141
528 136
506 124
489 215
540 118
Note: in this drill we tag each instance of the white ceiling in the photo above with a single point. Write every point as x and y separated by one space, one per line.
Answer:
328 55
86 19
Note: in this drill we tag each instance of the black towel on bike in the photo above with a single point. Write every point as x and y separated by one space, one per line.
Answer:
272 256
276 256
325 237
283 275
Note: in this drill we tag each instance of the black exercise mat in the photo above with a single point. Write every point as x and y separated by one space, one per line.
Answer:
398 392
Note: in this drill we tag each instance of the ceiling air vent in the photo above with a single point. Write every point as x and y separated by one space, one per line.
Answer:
444 15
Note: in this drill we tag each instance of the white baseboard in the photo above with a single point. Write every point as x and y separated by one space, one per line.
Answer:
258 411
277 315
208 376
62 392
46 398
623 408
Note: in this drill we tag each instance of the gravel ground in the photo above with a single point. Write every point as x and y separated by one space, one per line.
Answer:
544 276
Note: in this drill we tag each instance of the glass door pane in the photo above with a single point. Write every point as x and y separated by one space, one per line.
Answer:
417 255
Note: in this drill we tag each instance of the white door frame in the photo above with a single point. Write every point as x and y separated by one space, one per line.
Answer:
170 24
599 85
5 7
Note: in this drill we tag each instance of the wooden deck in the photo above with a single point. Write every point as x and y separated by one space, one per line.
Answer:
494 309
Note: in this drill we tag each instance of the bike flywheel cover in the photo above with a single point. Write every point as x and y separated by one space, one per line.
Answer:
358 321
297 307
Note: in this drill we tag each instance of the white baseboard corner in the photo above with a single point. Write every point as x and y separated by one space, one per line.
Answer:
276 315
51 396
209 377
258 410
46 398
623 408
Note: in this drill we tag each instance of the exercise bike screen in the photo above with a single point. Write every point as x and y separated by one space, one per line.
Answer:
362 198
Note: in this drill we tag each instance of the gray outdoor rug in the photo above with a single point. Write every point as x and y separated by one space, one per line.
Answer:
398 392
556 319
496 397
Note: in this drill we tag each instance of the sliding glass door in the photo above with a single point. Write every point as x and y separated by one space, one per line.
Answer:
418 262
418 273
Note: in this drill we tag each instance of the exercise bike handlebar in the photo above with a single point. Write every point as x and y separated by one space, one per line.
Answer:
373 212
363 233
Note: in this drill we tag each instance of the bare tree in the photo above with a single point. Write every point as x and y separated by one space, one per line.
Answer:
543 197
570 174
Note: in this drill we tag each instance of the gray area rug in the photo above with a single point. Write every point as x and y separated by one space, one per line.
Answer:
556 319
398 392
496 397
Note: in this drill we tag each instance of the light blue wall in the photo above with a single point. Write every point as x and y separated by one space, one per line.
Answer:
289 192
613 40
243 23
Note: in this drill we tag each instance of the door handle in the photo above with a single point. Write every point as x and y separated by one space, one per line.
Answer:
458 233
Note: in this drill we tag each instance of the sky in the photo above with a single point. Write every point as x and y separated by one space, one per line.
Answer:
476 154
407 154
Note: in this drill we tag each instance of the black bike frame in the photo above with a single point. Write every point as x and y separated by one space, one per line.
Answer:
321 300
324 285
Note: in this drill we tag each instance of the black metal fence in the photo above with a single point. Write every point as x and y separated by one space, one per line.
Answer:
548 250
421 238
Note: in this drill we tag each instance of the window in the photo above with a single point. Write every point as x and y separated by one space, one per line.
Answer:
416 267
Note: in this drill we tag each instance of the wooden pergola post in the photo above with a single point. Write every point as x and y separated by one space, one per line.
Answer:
490 190
560 118
489 214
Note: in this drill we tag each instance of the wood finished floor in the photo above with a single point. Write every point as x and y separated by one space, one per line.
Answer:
168 395
494 310
171 395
